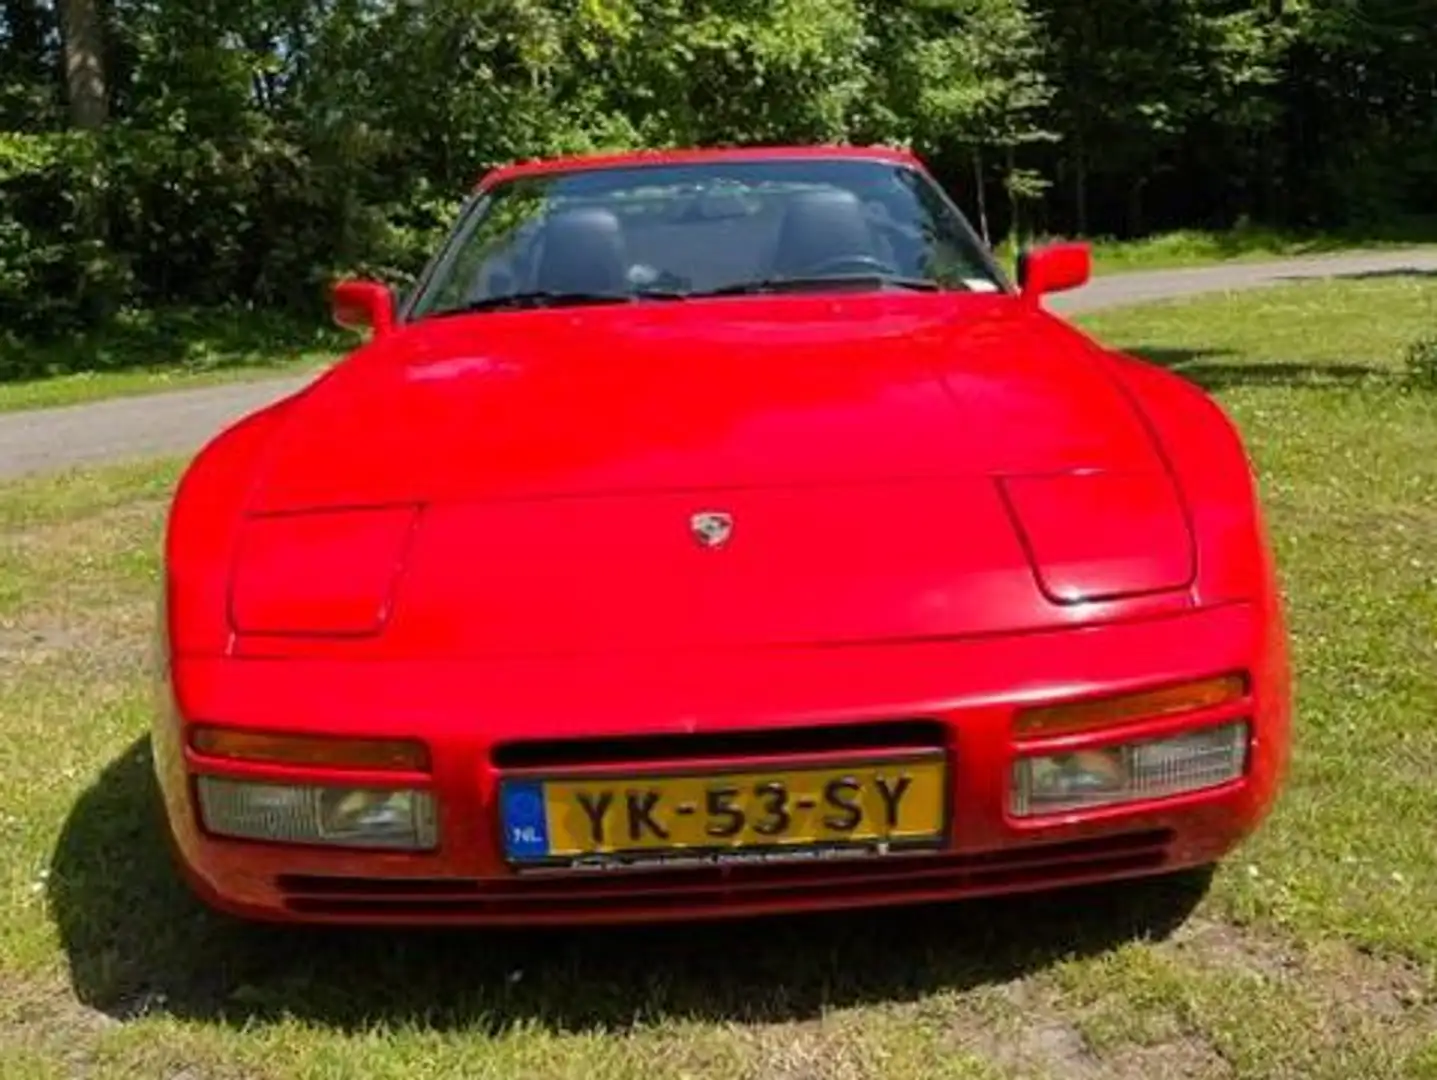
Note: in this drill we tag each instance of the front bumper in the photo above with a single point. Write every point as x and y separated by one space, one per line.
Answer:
466 712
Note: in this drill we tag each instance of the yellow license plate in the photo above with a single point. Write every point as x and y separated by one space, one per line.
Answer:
899 801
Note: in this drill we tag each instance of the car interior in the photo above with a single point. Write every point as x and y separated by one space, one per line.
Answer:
700 242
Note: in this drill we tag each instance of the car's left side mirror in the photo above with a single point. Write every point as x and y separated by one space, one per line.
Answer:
1054 268
363 305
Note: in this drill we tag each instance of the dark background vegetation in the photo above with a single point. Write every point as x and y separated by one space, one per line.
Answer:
222 152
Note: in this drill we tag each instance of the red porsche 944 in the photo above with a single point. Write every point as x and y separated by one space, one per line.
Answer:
714 533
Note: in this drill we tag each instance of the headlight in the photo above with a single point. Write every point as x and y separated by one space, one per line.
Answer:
1127 772
334 816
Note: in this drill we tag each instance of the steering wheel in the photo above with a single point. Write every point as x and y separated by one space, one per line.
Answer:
854 264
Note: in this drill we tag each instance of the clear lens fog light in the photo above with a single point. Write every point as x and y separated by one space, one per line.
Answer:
335 816
1128 772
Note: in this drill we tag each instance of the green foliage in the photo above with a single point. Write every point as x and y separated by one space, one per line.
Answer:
257 148
190 340
54 273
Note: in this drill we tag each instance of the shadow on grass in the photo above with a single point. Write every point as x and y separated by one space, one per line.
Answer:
1376 275
193 340
1206 368
136 941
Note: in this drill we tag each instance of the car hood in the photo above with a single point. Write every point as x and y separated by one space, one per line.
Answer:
700 395
891 469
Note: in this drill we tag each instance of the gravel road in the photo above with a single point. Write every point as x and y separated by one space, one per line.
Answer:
181 421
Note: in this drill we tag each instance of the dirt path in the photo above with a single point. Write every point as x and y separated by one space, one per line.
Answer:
179 422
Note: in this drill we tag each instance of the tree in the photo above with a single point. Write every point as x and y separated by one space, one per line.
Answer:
1138 81
962 78
29 91
205 151
83 51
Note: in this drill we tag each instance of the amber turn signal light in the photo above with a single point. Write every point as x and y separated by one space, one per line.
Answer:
388 755
1143 705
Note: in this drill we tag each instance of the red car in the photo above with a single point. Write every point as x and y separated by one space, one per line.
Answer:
715 533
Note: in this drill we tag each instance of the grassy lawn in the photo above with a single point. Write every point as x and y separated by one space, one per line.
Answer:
1312 954
148 352
1198 247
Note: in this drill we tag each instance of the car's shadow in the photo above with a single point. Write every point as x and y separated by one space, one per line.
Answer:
136 941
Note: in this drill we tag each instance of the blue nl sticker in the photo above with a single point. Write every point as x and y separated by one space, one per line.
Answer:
526 827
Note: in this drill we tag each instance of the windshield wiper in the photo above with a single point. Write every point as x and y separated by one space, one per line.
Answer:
544 298
800 284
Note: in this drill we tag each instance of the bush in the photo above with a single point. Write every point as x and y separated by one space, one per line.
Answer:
94 225
1421 362
56 272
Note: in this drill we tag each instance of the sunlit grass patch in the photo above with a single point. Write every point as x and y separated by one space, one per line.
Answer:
147 351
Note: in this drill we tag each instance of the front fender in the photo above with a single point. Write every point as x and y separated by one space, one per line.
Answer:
201 532
1205 452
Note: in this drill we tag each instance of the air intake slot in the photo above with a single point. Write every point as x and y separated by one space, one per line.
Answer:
835 738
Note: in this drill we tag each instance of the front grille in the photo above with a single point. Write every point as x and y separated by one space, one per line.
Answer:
617 893
769 742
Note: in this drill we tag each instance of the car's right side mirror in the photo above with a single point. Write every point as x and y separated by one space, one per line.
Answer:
1054 268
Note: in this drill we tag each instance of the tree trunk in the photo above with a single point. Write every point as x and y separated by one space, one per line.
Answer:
83 44
1080 184
82 54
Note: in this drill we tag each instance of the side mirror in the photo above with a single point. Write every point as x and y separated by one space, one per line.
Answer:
1054 268
361 305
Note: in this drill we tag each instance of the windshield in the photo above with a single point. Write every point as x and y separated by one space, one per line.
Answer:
721 227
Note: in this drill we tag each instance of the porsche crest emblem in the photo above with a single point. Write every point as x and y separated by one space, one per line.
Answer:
712 528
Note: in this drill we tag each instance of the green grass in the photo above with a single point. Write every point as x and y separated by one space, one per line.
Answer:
1313 953
1195 247
1198 247
151 351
